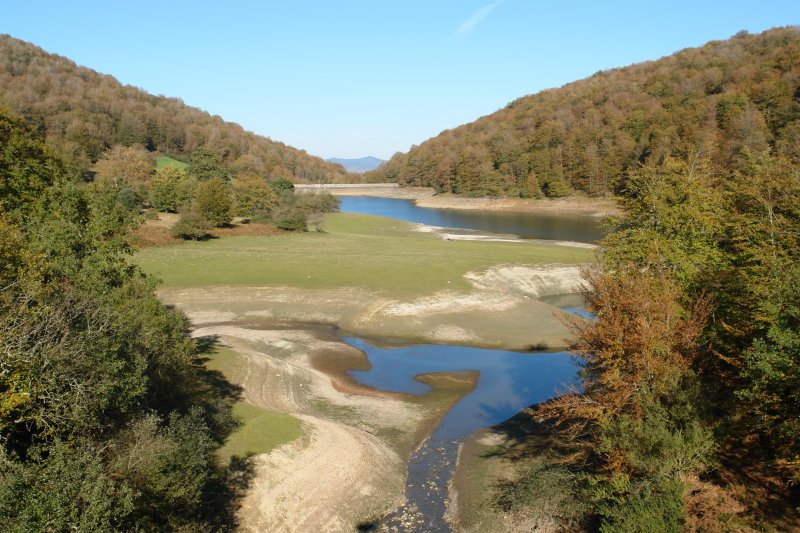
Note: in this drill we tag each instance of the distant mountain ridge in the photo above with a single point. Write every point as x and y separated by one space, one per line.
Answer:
361 164
722 100
83 113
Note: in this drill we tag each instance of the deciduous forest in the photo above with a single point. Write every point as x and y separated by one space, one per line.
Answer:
724 98
82 114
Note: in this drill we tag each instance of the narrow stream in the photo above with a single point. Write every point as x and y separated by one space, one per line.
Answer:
508 382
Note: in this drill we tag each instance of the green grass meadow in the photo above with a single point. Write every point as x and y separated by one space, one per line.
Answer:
373 253
165 160
260 430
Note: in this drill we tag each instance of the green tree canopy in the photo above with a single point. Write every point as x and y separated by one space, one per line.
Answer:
213 201
205 165
171 188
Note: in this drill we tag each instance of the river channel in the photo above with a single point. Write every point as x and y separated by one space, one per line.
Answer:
507 381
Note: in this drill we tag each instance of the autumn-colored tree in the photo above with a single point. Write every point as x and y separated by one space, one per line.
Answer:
253 196
123 166
635 431
643 340
212 201
83 113
739 94
171 188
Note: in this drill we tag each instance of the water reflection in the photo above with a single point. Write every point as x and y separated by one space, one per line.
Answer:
508 382
526 225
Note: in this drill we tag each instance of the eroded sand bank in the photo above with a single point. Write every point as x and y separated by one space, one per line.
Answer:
349 466
500 312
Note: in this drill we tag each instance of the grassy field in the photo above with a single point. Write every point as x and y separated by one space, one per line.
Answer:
260 430
372 253
165 160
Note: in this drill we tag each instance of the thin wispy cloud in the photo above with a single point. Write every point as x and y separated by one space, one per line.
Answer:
476 18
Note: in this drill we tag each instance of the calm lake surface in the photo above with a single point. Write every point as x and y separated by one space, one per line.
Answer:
507 383
526 225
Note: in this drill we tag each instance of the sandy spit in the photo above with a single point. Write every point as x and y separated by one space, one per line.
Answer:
446 234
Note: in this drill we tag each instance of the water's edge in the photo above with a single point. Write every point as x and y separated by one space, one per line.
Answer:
576 228
508 382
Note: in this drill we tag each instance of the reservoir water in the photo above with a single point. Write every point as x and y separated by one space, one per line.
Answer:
526 225
507 383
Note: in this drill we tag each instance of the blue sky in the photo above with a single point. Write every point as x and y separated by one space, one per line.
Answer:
355 78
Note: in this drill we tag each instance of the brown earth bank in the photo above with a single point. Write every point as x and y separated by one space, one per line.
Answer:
491 464
569 206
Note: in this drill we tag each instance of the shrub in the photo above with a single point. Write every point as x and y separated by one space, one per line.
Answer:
290 218
317 203
192 225
253 196
555 188
280 185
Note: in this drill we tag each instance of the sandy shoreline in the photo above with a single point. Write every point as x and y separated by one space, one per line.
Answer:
427 197
571 206
449 234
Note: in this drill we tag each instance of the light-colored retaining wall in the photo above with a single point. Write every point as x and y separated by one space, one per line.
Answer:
323 186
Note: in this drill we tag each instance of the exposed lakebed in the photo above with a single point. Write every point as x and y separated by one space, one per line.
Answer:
507 383
586 229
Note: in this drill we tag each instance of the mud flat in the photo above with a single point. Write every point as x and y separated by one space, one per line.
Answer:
349 466
501 310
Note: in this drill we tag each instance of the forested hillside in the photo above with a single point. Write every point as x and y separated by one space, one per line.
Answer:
689 416
723 98
82 114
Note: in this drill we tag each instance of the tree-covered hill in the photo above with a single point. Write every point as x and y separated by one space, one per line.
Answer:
83 113
722 98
